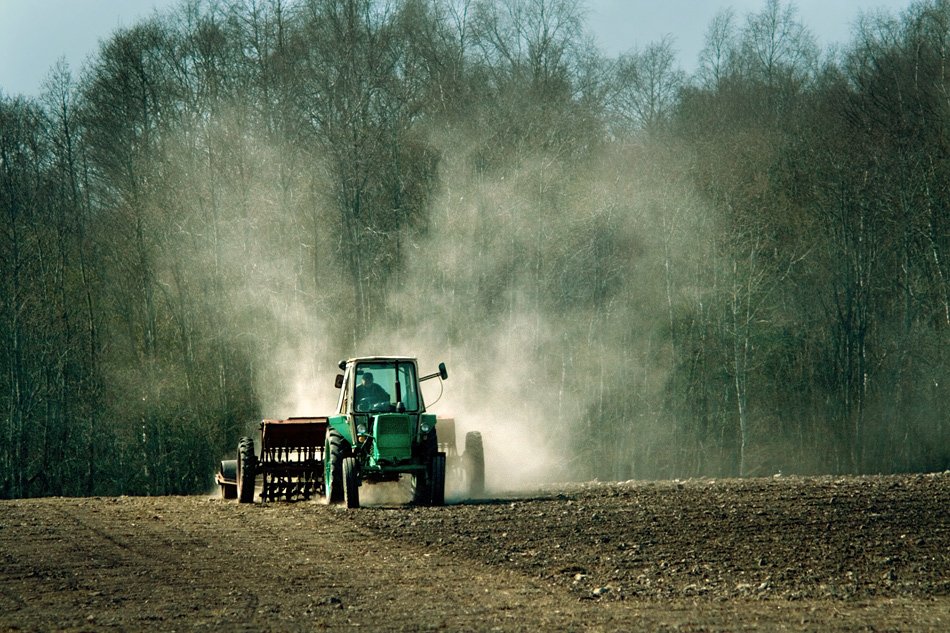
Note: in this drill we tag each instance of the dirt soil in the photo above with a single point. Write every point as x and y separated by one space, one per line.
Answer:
777 554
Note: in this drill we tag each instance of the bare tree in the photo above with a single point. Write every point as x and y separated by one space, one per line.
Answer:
718 56
647 85
775 48
534 41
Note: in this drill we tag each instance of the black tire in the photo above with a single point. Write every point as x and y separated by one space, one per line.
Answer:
333 453
474 461
246 470
437 479
227 473
420 489
420 482
351 483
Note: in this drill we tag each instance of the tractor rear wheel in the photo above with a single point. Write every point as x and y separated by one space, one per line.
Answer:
474 462
437 479
351 483
246 470
333 453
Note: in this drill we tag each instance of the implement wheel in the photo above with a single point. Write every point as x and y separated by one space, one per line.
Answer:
351 483
246 470
228 473
473 460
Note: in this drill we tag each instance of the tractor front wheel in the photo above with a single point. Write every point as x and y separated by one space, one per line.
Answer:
333 467
421 482
246 470
351 483
437 479
420 489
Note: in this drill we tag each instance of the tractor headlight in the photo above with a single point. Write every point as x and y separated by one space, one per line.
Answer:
361 428
425 427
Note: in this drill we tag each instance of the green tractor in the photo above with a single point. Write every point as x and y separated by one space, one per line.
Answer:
381 432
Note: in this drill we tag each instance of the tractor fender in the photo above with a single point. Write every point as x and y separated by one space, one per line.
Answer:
342 426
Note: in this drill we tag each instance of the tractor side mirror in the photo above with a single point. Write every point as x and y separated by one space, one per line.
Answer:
443 373
339 381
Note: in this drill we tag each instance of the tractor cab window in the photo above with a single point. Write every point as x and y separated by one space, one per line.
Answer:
376 387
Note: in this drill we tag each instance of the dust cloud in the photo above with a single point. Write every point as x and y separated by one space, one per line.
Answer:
546 288
537 359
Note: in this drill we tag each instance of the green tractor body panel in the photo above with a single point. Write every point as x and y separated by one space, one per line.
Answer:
341 424
393 435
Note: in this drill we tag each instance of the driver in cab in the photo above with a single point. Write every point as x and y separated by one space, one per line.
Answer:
368 393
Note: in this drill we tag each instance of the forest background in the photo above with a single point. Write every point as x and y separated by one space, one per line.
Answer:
631 272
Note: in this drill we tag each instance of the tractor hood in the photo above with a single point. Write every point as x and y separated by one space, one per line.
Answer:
393 434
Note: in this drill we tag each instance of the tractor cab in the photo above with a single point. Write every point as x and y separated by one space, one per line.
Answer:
380 386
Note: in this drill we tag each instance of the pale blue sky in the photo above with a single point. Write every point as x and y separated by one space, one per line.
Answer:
622 24
35 33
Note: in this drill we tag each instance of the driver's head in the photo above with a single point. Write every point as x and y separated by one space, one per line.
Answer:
367 378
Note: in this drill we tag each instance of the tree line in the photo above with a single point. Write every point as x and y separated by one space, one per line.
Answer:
734 272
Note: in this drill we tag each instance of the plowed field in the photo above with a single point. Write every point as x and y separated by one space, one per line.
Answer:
794 554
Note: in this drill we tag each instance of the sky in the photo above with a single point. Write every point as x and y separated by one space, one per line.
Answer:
34 34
